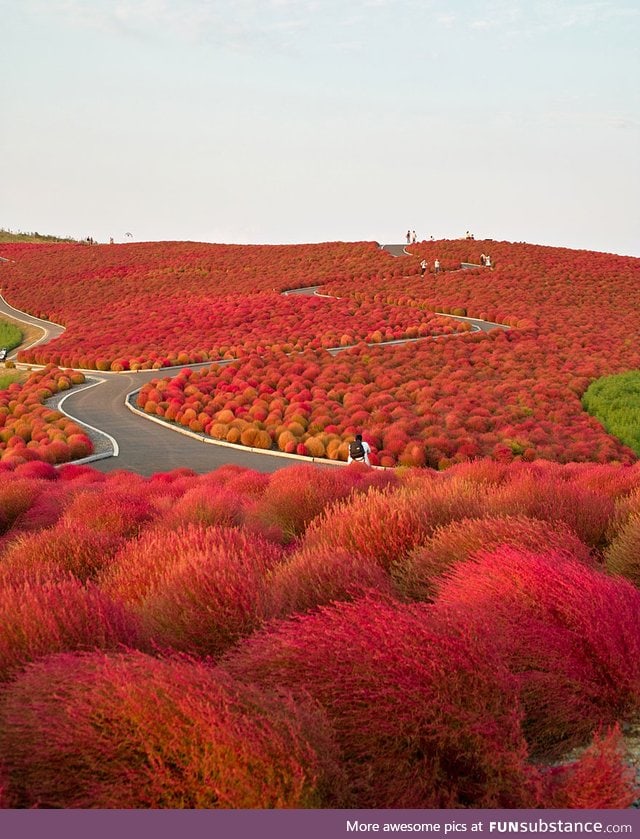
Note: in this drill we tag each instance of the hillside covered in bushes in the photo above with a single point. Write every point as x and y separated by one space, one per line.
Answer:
319 638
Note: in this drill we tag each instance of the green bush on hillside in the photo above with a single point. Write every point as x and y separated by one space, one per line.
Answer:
615 402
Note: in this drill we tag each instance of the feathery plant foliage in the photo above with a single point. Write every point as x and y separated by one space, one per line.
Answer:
615 402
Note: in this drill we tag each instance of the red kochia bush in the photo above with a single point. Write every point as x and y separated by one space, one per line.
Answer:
418 575
45 509
545 496
130 731
570 633
385 525
37 620
37 469
196 589
298 494
16 496
599 780
55 553
313 577
424 718
110 510
143 565
207 505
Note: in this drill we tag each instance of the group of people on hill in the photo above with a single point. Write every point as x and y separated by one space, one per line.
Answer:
412 238
424 266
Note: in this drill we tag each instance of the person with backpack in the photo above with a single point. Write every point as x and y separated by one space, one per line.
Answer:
359 451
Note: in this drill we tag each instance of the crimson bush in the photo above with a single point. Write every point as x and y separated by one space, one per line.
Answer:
424 718
130 731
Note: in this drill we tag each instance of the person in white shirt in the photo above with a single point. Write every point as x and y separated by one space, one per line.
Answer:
436 266
359 451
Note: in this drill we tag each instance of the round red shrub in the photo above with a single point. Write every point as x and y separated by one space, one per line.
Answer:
424 718
313 577
37 469
600 779
296 495
387 524
16 496
39 619
110 510
586 511
417 576
207 600
130 731
57 552
569 632
207 505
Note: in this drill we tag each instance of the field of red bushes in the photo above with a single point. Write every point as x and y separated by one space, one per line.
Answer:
319 638
161 304
31 431
324 638
506 395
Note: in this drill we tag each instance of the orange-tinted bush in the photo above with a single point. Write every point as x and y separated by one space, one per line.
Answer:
110 511
545 496
316 576
296 495
417 576
57 552
600 779
208 599
387 524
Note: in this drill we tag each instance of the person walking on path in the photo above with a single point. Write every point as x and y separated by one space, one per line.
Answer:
436 266
408 237
414 238
359 451
423 267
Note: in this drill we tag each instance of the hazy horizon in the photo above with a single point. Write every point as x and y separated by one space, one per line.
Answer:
295 121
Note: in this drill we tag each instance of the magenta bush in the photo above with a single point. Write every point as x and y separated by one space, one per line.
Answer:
569 632
419 573
424 718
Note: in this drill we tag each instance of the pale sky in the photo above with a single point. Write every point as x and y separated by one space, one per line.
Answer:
277 121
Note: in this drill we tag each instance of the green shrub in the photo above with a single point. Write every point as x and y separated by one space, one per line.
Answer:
7 379
10 335
615 402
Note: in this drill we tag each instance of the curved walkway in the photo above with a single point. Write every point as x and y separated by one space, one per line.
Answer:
126 441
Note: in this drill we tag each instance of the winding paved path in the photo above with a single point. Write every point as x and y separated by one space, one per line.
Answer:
133 441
